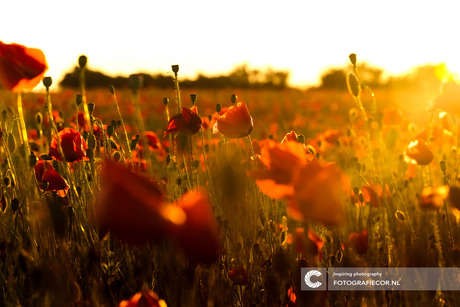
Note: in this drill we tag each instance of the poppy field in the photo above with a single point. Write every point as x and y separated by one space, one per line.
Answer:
154 197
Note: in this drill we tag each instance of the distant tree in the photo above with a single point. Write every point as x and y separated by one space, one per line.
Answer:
334 79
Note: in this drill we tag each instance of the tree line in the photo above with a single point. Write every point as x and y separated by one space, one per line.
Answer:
240 77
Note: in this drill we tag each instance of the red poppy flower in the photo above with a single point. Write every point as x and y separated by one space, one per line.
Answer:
280 161
45 172
21 67
359 241
131 207
374 195
72 144
238 276
199 237
290 136
419 152
188 122
236 122
145 298
319 192
433 198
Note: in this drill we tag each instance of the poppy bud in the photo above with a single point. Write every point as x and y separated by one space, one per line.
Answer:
119 123
79 100
114 124
82 61
47 81
353 85
6 181
90 108
112 89
165 101
134 142
175 68
442 164
116 156
110 130
193 98
218 108
352 58
39 118
15 204
32 159
233 98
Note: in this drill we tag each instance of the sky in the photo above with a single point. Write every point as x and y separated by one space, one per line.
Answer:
211 36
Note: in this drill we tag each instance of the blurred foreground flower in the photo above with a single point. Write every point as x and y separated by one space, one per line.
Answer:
280 161
239 276
131 207
320 191
433 198
145 298
359 241
314 189
418 151
21 67
187 121
199 236
72 144
236 122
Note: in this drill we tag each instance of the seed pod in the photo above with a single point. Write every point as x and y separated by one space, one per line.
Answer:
82 61
352 58
110 130
233 98
112 89
39 118
32 160
47 81
175 68
134 142
78 100
90 108
193 98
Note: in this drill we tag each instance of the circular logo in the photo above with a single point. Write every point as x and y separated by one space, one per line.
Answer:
308 282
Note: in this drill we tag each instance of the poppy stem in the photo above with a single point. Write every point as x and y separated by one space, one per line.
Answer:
123 126
252 151
83 96
22 124
176 85
208 175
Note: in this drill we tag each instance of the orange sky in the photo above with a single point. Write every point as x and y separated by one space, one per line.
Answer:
304 37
